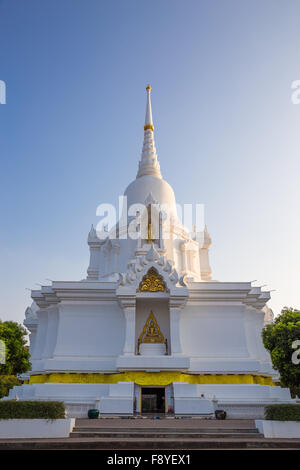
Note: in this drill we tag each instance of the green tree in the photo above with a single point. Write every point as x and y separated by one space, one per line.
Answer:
17 355
278 338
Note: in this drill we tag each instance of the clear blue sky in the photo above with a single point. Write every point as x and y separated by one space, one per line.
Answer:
227 133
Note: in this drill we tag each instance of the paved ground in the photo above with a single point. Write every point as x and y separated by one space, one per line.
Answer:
153 444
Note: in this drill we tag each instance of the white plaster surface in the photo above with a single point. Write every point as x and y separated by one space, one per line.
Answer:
156 349
187 400
35 428
279 429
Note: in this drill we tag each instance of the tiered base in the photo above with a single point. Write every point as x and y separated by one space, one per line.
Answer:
122 394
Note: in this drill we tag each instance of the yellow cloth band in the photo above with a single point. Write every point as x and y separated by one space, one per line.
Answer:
152 378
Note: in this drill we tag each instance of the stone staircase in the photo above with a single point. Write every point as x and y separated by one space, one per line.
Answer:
163 433
156 434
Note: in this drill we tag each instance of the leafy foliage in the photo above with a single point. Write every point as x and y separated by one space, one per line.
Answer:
6 383
12 409
282 412
17 354
278 338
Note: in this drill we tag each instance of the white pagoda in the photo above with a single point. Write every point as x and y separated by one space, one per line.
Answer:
148 330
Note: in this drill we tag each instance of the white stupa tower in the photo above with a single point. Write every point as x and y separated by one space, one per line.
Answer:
148 329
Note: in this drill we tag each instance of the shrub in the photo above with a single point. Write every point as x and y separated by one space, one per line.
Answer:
6 383
12 409
282 412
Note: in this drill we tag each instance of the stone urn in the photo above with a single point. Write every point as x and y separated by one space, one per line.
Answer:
220 414
93 414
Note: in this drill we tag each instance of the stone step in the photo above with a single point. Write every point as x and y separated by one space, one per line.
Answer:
100 430
167 435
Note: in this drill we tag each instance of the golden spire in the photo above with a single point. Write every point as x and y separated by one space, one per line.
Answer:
150 238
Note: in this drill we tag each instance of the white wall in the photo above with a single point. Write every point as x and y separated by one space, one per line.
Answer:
213 330
90 329
41 334
35 428
51 333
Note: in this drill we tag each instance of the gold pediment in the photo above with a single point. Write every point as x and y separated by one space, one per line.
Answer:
152 282
151 332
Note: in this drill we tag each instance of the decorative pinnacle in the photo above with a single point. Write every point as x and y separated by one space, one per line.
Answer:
148 119
148 164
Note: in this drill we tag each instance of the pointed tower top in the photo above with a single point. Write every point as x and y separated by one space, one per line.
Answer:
149 164
148 119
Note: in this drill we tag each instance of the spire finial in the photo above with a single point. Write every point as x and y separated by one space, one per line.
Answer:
148 119
149 164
